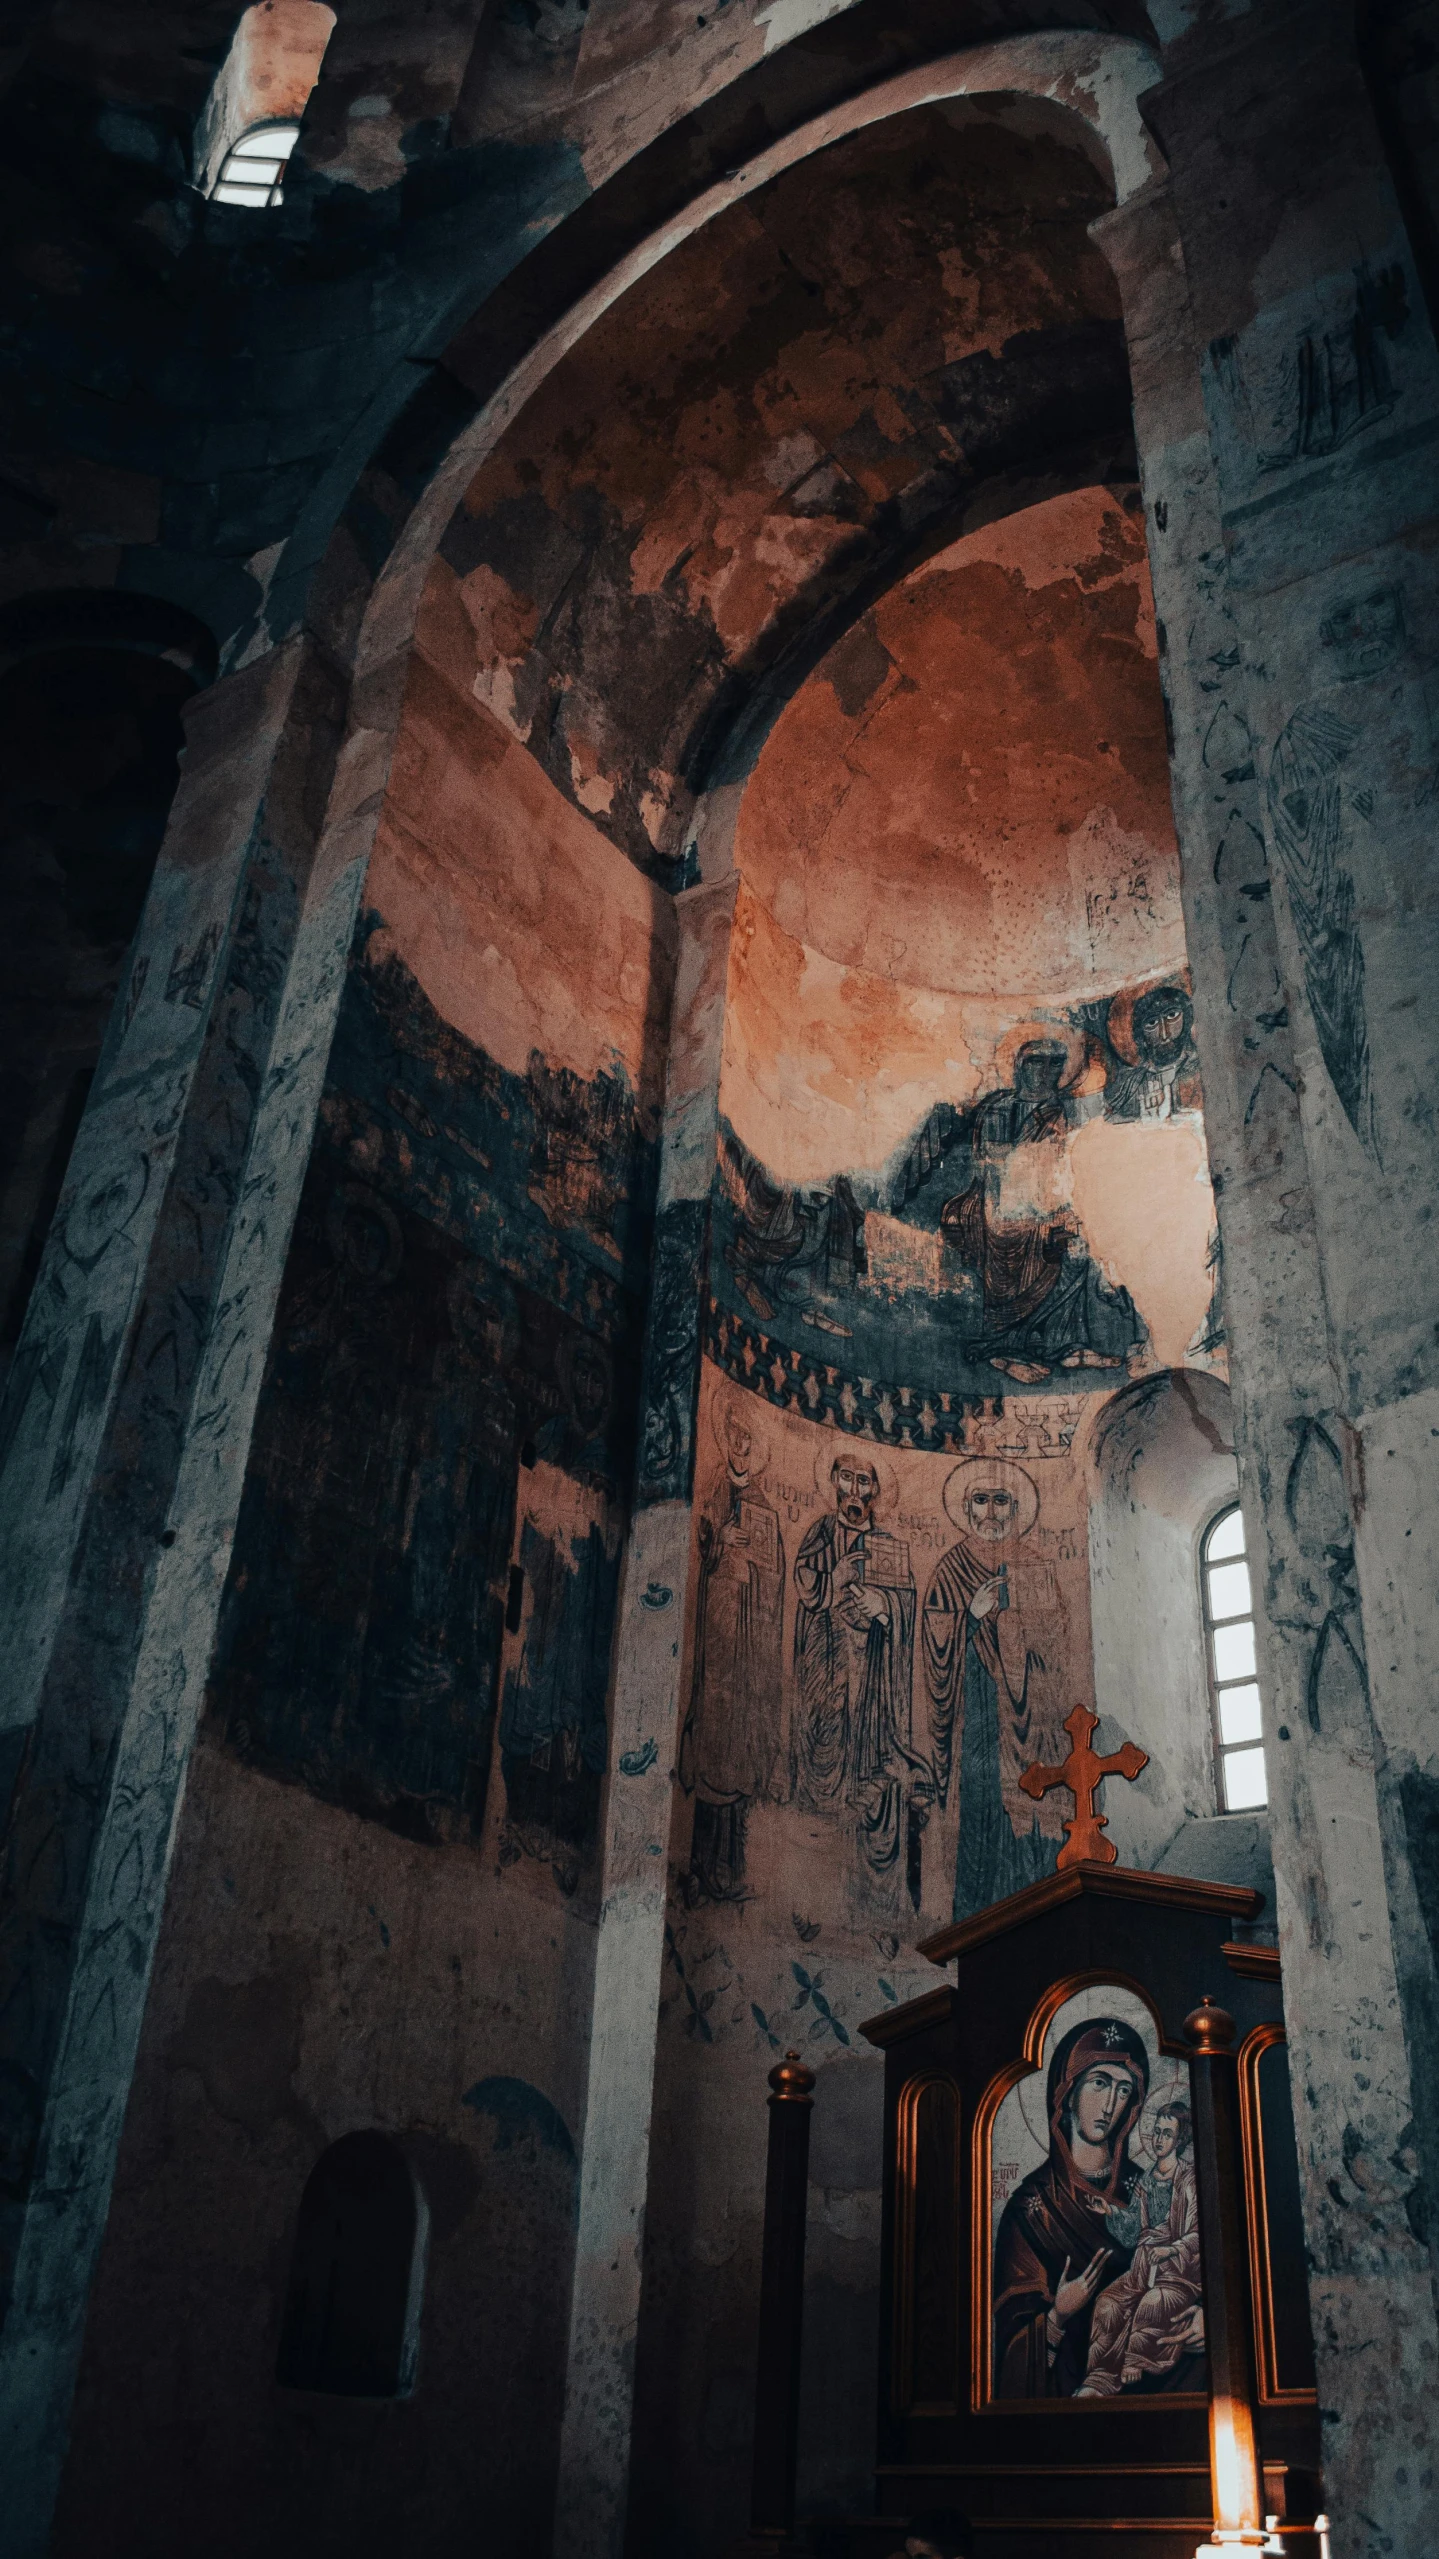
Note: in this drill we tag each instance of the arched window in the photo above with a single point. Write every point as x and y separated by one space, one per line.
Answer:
251 122
1233 1681
253 169
352 2314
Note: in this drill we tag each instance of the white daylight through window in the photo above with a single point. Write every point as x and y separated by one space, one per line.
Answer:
1233 1679
253 170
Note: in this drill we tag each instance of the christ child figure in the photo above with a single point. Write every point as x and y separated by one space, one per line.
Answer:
1151 2319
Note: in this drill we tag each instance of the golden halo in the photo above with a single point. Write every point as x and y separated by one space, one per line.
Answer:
832 1451
994 1473
747 1411
1031 1034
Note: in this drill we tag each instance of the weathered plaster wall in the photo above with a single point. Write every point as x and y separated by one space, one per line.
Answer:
972 794
318 1974
89 748
200 402
454 1367
389 1863
954 849
955 855
790 404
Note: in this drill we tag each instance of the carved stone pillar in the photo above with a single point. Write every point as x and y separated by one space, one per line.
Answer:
1254 548
123 1441
644 1740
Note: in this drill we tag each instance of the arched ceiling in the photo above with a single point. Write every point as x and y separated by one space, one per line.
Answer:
907 332
970 793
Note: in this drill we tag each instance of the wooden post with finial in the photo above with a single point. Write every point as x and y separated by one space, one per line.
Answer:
1236 2477
781 2306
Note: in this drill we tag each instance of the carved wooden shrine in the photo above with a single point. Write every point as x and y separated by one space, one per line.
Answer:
1094 2314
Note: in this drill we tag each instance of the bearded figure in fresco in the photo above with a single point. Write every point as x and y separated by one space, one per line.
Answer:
1152 1067
1061 2235
991 1631
854 1667
730 1749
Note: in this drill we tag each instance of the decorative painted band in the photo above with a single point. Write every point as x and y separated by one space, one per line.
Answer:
878 1408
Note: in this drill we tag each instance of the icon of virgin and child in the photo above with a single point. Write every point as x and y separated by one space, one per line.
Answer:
1097 2289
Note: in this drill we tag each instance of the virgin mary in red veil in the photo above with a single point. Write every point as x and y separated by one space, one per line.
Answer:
1054 2250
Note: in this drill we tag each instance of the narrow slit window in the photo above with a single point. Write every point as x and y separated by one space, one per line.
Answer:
1233 1678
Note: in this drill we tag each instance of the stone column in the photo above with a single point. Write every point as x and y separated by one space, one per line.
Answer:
1230 584
644 1741
123 1441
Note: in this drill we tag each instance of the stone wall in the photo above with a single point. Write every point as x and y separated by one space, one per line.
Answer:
649 364
383 1915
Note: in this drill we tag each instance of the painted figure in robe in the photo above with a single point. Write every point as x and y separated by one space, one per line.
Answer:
854 1667
991 1634
731 1749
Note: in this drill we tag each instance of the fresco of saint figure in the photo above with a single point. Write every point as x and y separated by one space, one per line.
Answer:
854 1666
1152 1067
730 1750
804 1246
1059 2238
1043 1303
1150 2318
991 1626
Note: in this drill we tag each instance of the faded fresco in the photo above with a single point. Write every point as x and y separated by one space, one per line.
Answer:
1096 2289
962 1267
995 1656
732 1747
427 1558
880 1642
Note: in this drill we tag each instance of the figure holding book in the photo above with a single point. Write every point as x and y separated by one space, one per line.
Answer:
993 1637
854 1666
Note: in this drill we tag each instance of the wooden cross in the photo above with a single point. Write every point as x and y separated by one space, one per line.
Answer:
1081 1773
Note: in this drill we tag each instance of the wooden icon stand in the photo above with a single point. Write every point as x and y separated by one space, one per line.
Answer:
1047 2473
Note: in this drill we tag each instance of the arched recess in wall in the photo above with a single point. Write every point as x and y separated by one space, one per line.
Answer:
504 739
92 688
963 1190
681 521
1162 1461
352 2308
497 358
